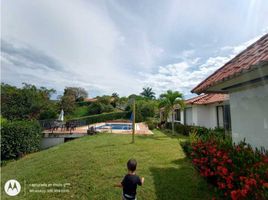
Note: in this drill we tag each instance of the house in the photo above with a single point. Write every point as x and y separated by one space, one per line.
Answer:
207 110
245 79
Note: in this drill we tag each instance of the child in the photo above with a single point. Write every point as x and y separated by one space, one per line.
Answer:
130 181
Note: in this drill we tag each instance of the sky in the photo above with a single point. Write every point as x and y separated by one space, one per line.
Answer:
124 45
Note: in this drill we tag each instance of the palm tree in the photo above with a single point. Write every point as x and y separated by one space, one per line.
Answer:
148 93
169 100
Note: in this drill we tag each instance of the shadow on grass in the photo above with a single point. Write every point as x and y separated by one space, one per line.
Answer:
152 137
179 182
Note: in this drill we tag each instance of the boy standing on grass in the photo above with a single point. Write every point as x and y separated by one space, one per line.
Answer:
130 181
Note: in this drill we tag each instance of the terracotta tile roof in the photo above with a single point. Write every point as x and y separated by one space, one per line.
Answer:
255 55
207 99
90 99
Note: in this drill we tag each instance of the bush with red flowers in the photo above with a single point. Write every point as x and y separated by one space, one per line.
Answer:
237 170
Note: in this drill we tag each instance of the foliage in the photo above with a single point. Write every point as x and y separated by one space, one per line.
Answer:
19 137
95 108
98 108
50 112
103 117
152 122
148 93
144 109
115 99
122 103
169 101
236 170
78 93
187 129
27 102
67 103
105 99
2 120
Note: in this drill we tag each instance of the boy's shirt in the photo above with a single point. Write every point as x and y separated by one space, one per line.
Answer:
129 184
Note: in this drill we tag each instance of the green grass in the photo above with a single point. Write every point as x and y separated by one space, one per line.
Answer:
93 164
80 111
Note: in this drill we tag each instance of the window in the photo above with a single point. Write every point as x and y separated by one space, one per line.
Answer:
177 115
220 118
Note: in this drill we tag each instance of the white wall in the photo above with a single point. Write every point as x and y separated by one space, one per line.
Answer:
202 115
249 115
206 116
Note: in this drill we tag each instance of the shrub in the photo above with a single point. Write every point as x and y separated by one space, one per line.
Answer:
108 108
186 129
50 113
237 171
2 120
95 108
103 117
152 123
19 137
98 108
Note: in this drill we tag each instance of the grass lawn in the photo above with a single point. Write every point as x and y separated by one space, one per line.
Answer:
80 111
93 164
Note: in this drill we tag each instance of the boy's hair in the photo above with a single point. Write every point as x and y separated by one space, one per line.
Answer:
131 165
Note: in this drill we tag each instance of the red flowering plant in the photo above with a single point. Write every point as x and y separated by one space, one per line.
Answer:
238 171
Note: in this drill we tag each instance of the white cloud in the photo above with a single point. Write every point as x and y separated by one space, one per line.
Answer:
103 45
185 75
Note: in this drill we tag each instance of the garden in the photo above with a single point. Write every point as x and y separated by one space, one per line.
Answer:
238 171
215 168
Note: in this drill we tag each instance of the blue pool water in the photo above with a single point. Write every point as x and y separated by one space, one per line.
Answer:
116 126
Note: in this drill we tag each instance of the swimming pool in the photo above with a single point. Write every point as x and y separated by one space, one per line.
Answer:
115 126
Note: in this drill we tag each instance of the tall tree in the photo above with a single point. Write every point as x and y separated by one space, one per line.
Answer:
67 103
169 101
115 99
148 93
77 92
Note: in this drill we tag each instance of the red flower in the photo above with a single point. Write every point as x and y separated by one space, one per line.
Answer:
234 195
265 185
244 192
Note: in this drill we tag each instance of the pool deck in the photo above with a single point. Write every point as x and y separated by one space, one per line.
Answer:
141 129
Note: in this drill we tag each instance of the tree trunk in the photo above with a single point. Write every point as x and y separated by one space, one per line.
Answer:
173 131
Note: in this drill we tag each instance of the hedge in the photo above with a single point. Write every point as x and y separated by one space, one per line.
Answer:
186 129
19 137
103 117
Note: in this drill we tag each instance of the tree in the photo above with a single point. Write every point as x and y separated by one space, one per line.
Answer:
115 99
77 92
115 95
67 103
27 102
169 100
95 108
148 93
